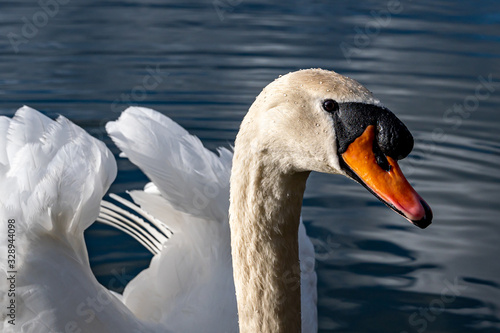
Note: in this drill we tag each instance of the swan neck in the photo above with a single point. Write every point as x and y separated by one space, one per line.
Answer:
264 218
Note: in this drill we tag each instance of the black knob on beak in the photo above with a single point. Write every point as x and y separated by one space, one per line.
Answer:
393 137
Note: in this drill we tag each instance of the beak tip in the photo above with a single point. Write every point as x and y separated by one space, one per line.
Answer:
422 224
425 221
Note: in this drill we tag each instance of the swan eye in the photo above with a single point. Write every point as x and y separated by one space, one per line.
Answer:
330 105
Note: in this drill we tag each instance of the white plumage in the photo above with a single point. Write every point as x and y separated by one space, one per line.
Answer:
53 176
57 174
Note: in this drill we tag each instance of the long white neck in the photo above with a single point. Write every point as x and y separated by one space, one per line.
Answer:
264 218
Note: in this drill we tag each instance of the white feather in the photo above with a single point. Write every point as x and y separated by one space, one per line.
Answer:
53 177
190 177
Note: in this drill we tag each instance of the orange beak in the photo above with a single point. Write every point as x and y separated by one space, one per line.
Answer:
391 187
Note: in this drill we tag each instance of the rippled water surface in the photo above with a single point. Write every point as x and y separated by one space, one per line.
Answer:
436 64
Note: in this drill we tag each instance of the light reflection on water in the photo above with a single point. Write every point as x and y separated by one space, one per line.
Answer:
375 270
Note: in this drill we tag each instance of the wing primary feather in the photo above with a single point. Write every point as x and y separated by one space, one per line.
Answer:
117 221
158 224
148 231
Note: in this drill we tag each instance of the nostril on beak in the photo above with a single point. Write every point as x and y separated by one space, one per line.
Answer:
380 157
383 163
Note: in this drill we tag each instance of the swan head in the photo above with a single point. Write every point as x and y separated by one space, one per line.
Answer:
318 120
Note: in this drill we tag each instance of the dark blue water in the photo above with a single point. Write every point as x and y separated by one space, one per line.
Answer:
434 63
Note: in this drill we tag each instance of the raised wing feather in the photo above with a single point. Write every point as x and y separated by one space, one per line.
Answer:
52 178
192 178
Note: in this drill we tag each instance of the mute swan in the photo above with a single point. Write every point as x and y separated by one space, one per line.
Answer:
53 176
